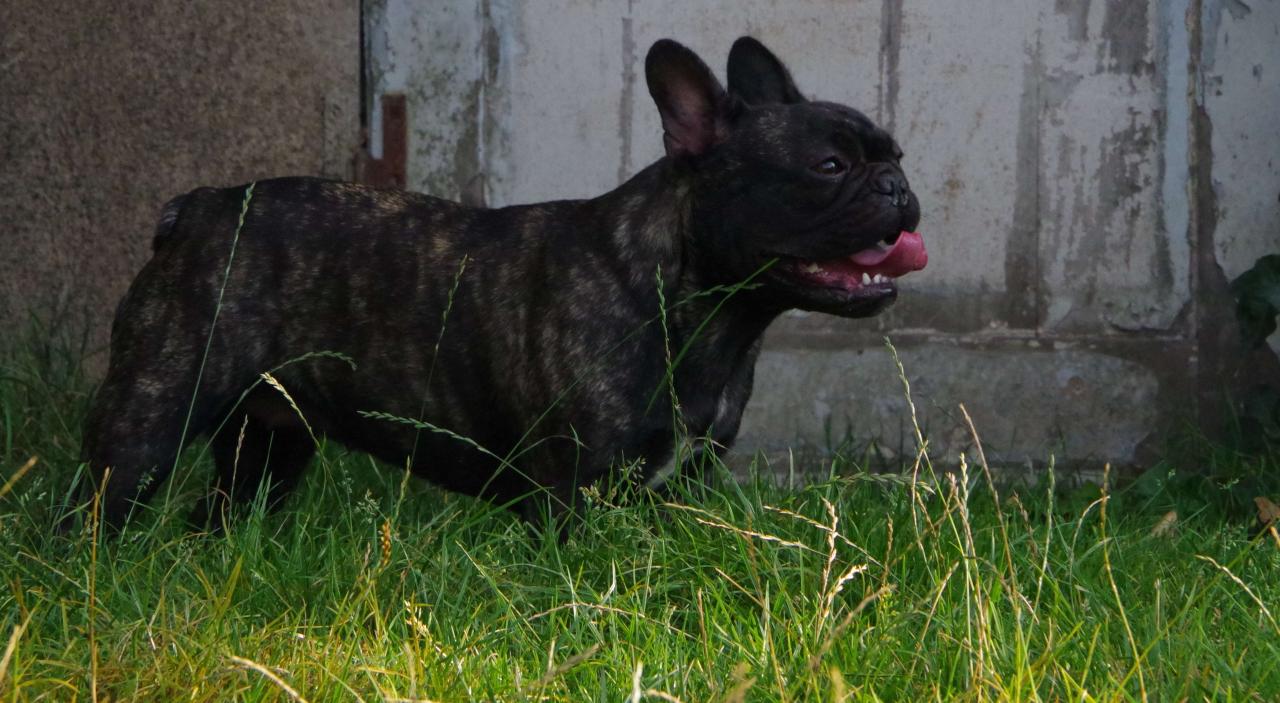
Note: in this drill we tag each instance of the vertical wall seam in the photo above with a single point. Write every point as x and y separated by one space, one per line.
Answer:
626 104
479 192
1194 49
1038 294
363 69
1175 59
890 52
1023 269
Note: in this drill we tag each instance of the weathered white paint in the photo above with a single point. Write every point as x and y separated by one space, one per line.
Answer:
433 52
962 114
1107 259
1241 81
555 103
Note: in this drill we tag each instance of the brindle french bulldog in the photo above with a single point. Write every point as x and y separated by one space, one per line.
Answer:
542 334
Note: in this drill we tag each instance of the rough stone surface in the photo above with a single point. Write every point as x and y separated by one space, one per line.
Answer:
1029 405
109 109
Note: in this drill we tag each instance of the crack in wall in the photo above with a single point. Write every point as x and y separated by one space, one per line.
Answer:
890 52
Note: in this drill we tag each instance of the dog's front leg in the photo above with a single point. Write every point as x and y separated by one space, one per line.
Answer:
552 510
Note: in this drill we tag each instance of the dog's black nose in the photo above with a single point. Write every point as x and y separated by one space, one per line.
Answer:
894 185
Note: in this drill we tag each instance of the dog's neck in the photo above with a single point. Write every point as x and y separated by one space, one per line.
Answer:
647 218
652 230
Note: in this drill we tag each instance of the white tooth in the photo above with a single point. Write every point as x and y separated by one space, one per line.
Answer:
880 279
866 280
813 268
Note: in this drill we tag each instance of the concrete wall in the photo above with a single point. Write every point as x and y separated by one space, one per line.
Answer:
1091 173
108 109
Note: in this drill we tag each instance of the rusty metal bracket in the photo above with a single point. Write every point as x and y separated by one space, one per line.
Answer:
390 171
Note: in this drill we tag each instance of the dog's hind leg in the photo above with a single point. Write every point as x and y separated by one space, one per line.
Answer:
149 406
133 434
248 453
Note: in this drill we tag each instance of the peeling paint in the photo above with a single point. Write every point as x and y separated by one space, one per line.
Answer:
1120 176
1058 85
1210 23
1238 9
1108 251
1107 219
1077 14
1124 34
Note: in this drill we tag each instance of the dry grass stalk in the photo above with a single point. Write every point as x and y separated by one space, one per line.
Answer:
271 676
17 475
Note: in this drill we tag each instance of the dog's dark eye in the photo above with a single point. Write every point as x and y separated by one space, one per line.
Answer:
830 167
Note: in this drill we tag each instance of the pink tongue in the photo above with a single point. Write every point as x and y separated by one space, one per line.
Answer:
906 255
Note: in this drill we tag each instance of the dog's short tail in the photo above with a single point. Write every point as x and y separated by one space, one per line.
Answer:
168 221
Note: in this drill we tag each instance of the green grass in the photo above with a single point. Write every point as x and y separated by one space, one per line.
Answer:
855 587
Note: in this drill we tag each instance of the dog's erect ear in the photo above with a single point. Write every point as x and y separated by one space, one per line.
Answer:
758 77
690 99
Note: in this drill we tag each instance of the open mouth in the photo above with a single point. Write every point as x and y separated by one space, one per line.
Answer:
870 271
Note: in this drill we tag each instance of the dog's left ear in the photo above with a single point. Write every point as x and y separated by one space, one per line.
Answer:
690 99
758 77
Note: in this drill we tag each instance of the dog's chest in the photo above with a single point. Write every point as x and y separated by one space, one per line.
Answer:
714 387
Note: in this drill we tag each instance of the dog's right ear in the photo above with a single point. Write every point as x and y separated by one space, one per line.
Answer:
758 77
690 99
